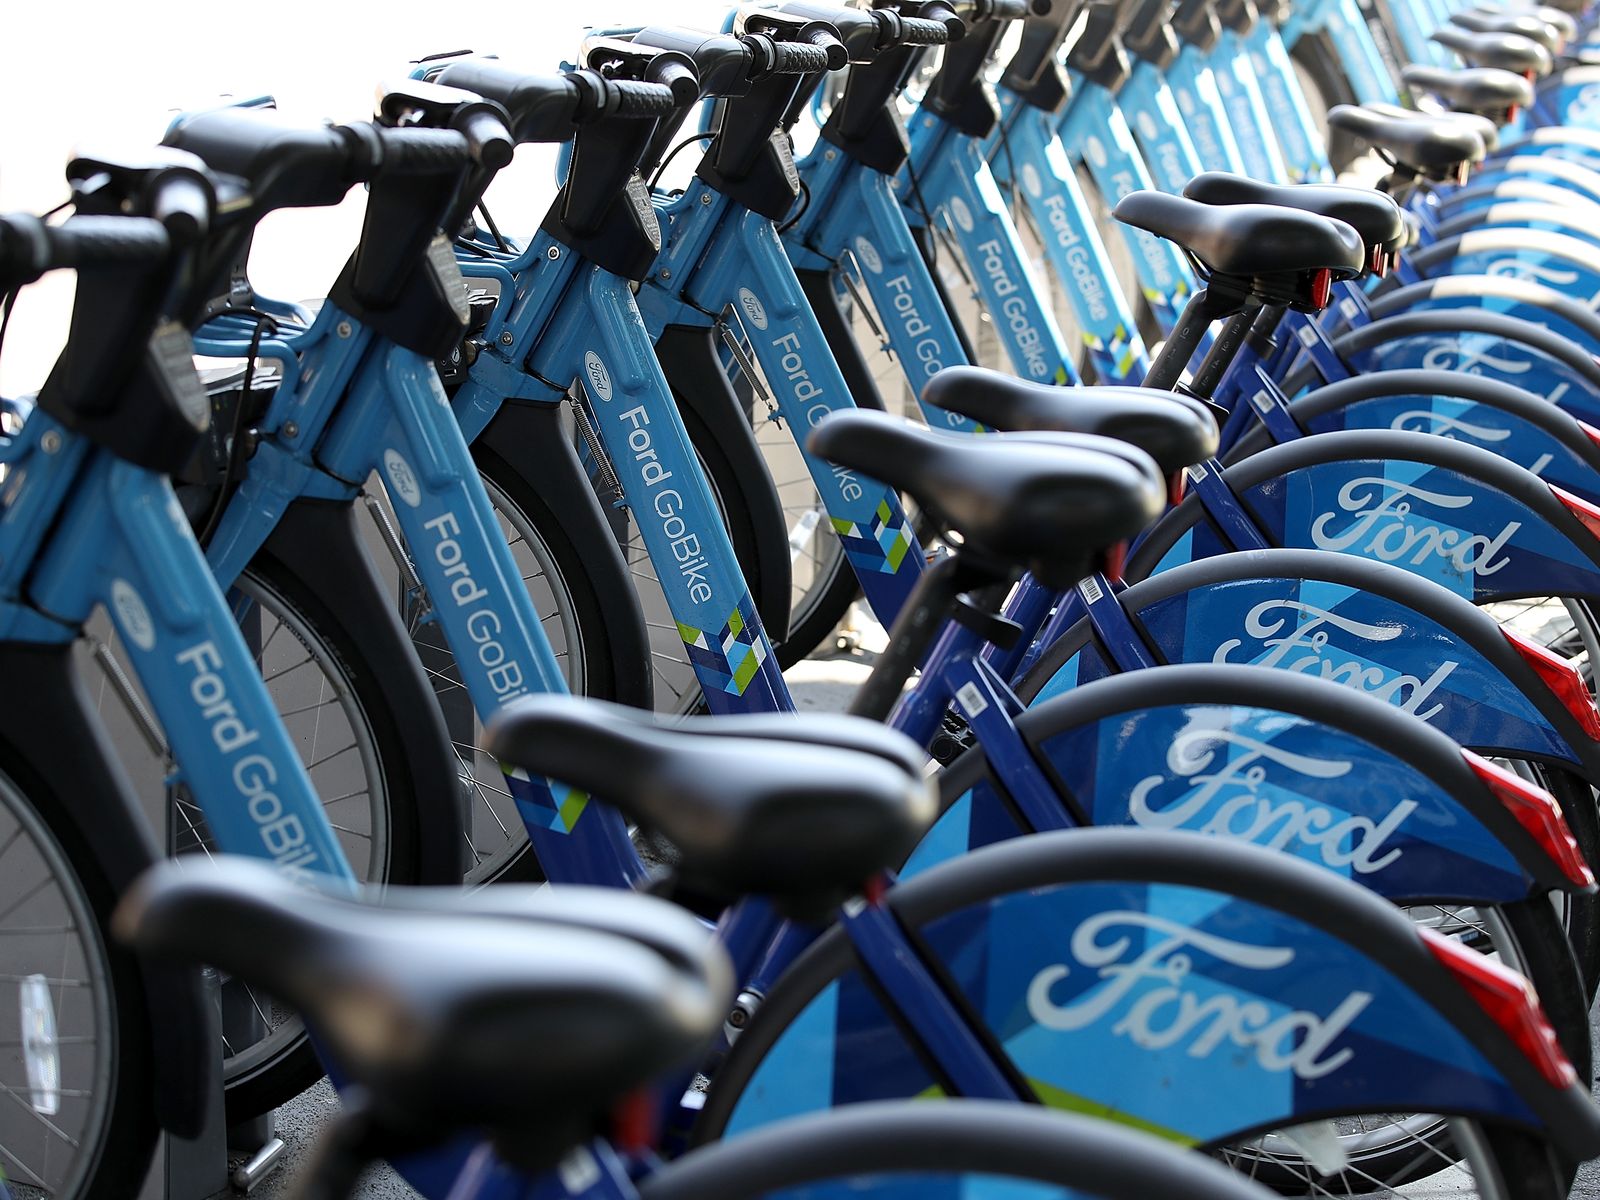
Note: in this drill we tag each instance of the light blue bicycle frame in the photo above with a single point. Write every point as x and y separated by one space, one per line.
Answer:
357 403
721 257
1094 126
1029 144
1245 107
82 528
953 178
1300 142
1347 29
854 216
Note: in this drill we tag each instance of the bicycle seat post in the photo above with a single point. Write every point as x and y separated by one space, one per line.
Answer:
919 623
1209 304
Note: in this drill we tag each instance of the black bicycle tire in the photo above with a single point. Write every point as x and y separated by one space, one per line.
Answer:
594 605
960 1136
340 622
129 1139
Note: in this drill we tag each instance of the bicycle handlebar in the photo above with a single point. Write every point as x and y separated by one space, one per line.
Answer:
375 148
920 31
183 204
631 98
797 58
488 139
1017 10
29 247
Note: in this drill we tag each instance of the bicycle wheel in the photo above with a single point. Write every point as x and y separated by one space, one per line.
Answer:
822 583
967 1148
1316 65
362 746
1381 1152
74 1050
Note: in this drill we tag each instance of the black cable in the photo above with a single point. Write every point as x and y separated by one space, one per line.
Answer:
672 153
922 206
231 466
805 203
5 315
1011 166
494 230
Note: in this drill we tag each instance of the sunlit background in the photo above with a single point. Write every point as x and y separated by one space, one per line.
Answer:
97 76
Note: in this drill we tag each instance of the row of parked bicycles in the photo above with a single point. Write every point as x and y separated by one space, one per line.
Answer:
1220 818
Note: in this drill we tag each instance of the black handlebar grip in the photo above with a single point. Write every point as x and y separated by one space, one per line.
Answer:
422 151
941 10
914 31
630 98
797 58
488 139
679 76
828 39
182 203
103 241
24 250
1017 10
29 247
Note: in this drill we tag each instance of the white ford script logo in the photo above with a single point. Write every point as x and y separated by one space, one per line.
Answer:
1382 528
1303 647
1166 1014
1349 841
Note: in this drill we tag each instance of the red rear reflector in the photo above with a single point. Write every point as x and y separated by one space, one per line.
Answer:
633 1121
1588 515
875 888
1510 1002
1562 678
1512 111
1590 432
1380 262
1536 811
1115 559
1176 486
1321 287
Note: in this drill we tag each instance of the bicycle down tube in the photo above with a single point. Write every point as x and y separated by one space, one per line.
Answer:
122 541
1072 243
954 179
394 418
854 214
598 337
729 256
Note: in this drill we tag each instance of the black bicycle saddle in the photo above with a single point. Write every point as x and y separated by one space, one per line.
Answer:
1559 19
525 1027
1177 431
1487 91
1377 218
1036 500
1527 24
1509 51
1247 240
1436 147
1486 129
805 811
